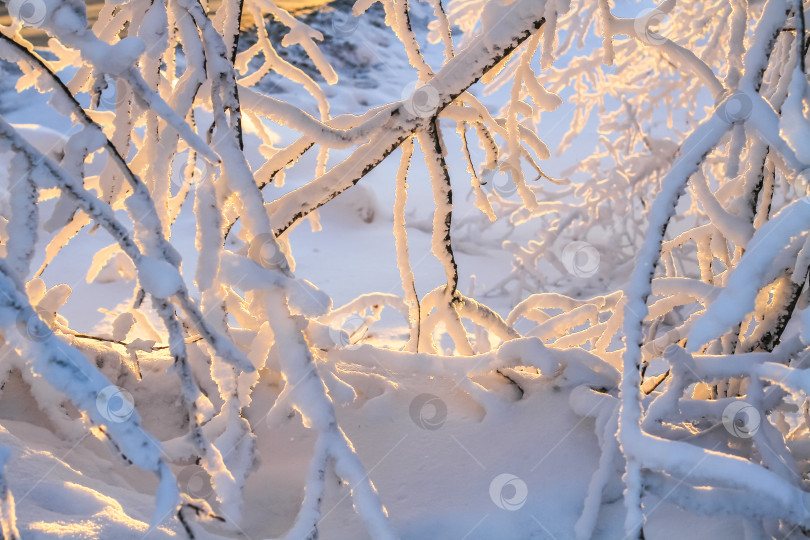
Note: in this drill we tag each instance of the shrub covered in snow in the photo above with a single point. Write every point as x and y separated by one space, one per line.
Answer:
662 284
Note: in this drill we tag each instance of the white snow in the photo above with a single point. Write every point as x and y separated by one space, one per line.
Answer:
481 339
158 278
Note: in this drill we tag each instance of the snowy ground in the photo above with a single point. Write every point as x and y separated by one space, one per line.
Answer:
434 472
435 459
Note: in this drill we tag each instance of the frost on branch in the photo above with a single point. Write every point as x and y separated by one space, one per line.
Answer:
8 518
182 98
695 187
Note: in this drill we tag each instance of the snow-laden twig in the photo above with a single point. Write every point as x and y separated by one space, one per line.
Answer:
770 244
311 400
520 22
442 245
403 255
141 205
694 149
674 52
8 516
68 371
585 401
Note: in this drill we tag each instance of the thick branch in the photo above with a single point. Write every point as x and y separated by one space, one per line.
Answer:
524 18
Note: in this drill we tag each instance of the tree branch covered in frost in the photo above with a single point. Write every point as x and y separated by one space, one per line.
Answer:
744 111
178 68
8 517
717 137
68 371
